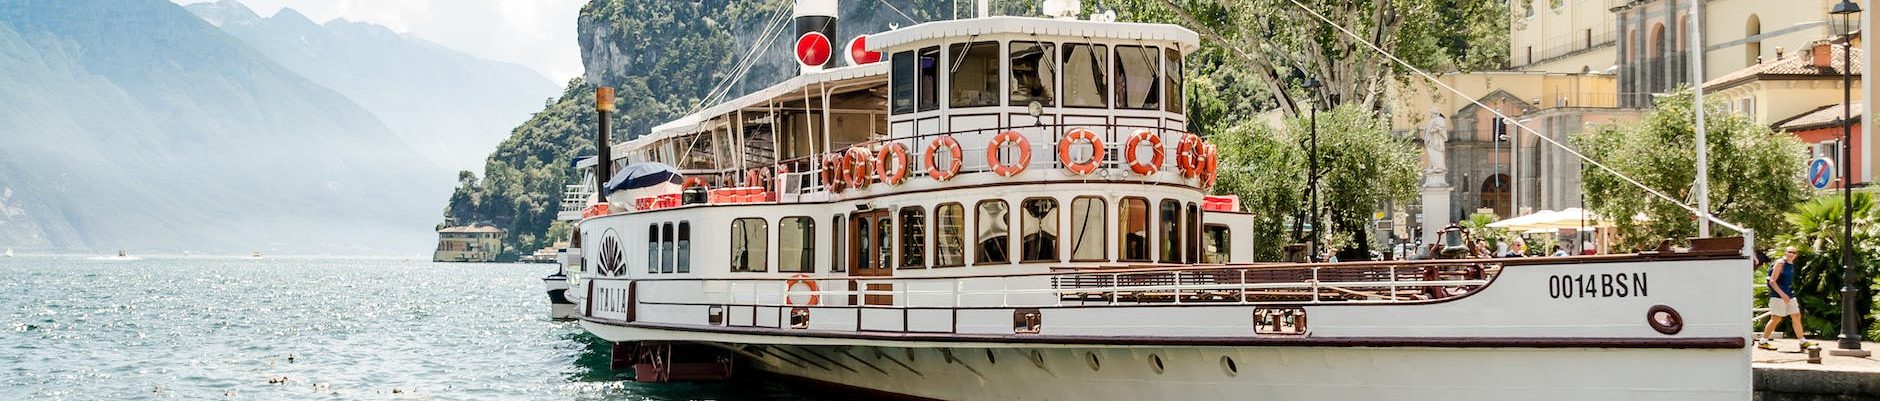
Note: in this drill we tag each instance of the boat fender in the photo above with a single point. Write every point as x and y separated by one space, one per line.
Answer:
1156 153
953 153
1070 140
999 166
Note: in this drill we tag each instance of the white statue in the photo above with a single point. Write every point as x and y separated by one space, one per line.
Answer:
1436 148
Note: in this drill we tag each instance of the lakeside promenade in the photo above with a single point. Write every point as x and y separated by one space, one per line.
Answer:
1789 376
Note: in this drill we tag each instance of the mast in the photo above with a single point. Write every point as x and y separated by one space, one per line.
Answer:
1702 190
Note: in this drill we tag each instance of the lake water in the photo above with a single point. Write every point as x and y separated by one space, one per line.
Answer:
193 328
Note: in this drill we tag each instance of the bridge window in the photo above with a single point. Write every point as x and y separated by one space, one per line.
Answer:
685 247
902 86
1138 82
1034 73
838 241
995 227
796 245
1087 229
975 74
1171 229
928 62
1086 74
950 241
667 262
1172 78
1218 241
750 239
652 248
1040 224
913 237
1133 215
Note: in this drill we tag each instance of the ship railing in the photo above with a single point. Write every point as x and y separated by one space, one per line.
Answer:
1043 140
575 197
1410 282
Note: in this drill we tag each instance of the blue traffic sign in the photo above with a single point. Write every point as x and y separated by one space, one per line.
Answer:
1820 173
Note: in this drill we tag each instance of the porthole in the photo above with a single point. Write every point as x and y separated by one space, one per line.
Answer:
1091 358
1228 366
989 358
1155 363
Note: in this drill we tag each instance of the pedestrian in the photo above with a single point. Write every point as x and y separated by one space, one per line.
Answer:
1782 301
1558 252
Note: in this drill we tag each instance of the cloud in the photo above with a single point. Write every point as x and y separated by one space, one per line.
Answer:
539 34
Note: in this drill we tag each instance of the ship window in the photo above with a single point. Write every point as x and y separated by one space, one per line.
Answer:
975 74
903 85
1171 230
1138 83
862 238
839 243
1040 224
796 245
950 242
1087 227
1219 242
1085 76
995 226
652 248
750 238
1172 78
685 247
1034 73
884 248
1133 216
667 261
928 62
1191 232
913 237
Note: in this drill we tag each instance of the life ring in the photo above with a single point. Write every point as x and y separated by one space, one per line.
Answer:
1156 153
815 292
1024 154
1070 140
1188 155
953 152
832 172
1210 165
892 173
694 182
859 158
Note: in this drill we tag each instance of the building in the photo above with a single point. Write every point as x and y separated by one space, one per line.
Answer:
1800 92
472 243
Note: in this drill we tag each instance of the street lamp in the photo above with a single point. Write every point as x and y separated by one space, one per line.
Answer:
1845 19
1312 174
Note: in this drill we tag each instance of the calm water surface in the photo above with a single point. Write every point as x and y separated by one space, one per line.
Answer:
196 328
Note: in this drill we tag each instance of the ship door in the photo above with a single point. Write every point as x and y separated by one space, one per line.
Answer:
871 254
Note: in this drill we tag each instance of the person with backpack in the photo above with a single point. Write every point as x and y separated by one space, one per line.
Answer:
1782 301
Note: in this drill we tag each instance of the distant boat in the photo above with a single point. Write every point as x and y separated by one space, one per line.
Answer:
256 255
9 252
121 255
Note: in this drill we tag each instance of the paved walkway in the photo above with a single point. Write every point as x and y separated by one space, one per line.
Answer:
1783 374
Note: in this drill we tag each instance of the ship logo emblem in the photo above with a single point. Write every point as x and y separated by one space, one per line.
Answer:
610 259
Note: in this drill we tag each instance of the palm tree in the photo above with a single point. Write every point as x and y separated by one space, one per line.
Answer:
1815 232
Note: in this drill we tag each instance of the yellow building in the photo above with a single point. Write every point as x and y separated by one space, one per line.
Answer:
472 243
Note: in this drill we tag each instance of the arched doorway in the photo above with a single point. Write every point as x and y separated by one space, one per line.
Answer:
1752 31
1495 195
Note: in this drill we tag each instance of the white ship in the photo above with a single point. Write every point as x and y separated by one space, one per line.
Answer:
1012 208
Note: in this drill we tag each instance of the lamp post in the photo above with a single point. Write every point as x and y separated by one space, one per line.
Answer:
1312 174
1845 19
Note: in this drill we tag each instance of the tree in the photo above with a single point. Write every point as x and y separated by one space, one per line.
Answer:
1269 39
1816 235
1754 172
1361 167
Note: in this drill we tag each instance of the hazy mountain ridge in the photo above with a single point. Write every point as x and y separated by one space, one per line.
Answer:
451 106
134 124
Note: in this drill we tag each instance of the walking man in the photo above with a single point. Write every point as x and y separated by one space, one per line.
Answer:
1782 301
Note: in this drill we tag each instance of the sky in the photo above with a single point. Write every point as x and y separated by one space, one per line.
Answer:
539 34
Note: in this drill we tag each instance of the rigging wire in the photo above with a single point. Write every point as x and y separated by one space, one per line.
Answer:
898 11
1518 124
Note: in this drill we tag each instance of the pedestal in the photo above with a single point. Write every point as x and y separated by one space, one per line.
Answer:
1435 211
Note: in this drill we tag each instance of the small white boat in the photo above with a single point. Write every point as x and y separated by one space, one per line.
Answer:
255 255
9 252
121 255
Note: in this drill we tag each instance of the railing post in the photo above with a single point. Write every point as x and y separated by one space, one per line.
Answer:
1393 284
1315 284
1005 291
1178 287
1115 286
958 285
1243 285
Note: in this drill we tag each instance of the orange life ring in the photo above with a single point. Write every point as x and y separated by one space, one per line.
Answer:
953 152
1188 155
1024 154
1071 139
892 173
859 158
1156 153
694 182
1210 165
815 292
832 172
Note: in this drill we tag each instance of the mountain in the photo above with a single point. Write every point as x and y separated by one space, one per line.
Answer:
662 56
133 124
451 106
